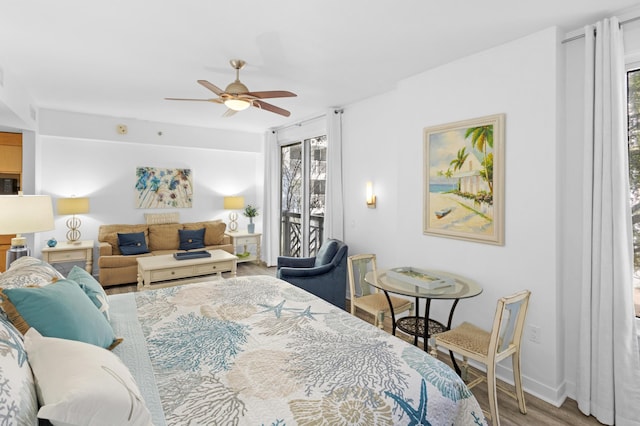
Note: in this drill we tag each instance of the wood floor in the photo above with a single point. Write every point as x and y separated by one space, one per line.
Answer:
538 411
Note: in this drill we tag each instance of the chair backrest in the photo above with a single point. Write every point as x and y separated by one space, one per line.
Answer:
357 267
508 323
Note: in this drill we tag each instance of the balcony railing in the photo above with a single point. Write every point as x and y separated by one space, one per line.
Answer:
291 236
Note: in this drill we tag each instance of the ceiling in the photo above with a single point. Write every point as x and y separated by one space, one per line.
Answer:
123 57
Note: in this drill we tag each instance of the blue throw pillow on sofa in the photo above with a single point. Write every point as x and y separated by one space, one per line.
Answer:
133 243
191 239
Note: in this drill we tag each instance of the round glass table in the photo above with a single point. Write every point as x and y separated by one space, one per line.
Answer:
452 287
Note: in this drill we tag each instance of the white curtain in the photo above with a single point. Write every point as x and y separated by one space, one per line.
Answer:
271 220
334 214
608 383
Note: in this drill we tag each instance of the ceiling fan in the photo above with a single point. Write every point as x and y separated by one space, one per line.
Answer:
237 97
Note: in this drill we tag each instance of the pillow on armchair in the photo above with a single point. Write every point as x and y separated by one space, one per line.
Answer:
326 253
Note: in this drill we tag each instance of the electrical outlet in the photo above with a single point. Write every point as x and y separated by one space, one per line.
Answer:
534 334
122 129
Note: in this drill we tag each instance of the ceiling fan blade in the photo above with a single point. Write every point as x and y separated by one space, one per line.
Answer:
272 94
215 89
272 108
229 112
188 99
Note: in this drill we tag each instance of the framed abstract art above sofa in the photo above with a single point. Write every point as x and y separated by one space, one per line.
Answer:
158 188
464 180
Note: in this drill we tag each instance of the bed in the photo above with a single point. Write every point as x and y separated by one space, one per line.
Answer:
259 351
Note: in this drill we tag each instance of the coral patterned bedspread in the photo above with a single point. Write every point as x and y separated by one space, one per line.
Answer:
259 351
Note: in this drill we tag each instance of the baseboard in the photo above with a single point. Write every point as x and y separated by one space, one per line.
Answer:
546 393
555 397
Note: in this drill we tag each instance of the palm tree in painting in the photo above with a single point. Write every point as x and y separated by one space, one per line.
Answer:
458 162
481 137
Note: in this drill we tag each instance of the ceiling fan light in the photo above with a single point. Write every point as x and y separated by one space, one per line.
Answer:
237 104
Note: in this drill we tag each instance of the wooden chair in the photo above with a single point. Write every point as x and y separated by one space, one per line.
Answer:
489 348
375 302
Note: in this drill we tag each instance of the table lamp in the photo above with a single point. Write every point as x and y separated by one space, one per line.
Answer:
73 206
233 203
23 214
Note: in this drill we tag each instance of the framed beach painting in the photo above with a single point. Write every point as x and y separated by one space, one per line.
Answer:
464 180
158 188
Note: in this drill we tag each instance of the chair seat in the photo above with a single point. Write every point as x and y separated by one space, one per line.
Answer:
376 302
466 336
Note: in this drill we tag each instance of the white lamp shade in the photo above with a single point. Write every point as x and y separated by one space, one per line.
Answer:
233 203
75 205
21 214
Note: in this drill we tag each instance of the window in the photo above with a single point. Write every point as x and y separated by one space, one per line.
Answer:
303 168
633 123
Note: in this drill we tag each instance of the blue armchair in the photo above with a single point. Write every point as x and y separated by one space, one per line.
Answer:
324 275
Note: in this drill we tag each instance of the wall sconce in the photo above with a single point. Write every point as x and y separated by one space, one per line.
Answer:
371 198
233 203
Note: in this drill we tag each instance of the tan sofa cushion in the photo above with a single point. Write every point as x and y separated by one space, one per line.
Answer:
119 261
109 234
214 231
164 237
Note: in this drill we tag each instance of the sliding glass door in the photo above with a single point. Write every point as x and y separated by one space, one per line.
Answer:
303 167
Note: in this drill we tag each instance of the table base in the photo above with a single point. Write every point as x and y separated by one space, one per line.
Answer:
408 325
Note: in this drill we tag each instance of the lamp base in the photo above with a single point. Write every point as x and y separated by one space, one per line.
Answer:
16 252
233 222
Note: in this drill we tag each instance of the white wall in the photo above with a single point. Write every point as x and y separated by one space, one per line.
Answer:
520 80
83 155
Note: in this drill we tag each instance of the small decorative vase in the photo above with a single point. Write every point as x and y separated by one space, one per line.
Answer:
52 242
251 228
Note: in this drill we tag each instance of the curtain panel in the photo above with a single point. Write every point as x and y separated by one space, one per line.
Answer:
334 212
608 382
271 220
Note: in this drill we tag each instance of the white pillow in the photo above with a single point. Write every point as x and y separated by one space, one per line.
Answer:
81 384
28 271
18 402
160 218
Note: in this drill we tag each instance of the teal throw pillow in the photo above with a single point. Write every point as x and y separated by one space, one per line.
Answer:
133 243
60 310
191 239
92 288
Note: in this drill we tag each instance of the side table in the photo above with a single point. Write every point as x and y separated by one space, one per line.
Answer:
241 242
70 252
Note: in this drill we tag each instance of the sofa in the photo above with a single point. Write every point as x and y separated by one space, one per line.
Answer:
324 275
117 268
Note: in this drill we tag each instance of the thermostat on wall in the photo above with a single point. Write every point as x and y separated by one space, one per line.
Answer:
122 129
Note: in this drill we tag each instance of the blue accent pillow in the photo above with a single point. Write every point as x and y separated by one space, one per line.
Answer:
60 310
91 288
326 253
191 239
133 243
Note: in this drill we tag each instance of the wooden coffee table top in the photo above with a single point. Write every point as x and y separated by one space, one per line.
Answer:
168 261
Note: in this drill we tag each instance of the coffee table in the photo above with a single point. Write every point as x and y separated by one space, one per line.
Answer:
164 270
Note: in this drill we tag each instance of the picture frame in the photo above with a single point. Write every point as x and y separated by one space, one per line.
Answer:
464 180
161 188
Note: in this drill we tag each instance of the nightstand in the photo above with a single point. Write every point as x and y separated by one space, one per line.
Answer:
70 252
246 246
